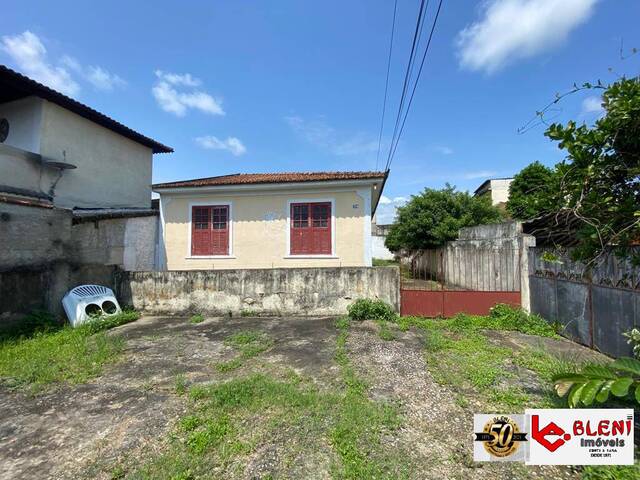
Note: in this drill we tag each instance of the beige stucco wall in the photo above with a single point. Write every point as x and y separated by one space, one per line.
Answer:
113 171
259 230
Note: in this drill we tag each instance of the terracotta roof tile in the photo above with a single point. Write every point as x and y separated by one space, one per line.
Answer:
258 178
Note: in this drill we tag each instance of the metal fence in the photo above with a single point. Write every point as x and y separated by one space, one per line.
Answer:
480 269
594 306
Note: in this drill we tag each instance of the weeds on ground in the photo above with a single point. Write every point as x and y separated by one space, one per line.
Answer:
181 384
459 355
52 353
366 309
613 472
226 422
197 318
250 343
248 313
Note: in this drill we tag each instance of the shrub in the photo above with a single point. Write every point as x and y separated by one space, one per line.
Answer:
595 382
197 318
366 309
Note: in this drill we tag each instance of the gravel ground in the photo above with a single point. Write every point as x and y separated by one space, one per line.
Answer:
81 431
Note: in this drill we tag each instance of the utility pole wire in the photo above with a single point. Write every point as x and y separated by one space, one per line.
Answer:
415 85
406 78
386 84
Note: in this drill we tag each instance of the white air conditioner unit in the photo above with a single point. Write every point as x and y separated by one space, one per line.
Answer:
86 301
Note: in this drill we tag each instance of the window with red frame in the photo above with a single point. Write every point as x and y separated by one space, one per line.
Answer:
310 228
210 230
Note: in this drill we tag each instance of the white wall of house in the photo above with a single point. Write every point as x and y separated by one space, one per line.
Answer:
379 250
112 170
500 190
25 123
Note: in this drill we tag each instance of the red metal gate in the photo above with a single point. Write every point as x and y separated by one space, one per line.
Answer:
445 282
445 303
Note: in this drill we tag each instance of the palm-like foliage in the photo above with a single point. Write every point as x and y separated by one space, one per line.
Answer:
597 382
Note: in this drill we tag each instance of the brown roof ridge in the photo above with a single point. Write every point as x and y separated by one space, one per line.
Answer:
28 86
274 177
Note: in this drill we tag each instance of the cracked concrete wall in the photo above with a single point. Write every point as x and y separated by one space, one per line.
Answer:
44 255
129 243
280 291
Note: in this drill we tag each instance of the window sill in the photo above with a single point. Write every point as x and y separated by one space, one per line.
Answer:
197 257
290 257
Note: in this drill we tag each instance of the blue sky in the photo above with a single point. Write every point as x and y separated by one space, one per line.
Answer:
248 86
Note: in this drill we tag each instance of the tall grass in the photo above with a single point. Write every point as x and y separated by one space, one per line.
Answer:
48 352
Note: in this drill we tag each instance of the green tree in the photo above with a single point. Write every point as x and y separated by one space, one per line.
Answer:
600 176
533 192
435 216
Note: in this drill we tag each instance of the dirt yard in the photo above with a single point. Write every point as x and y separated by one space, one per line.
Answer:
263 398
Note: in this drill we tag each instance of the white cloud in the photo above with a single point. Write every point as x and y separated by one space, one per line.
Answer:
178 102
384 200
444 150
30 56
592 105
103 80
185 80
97 76
516 29
319 133
231 144
400 199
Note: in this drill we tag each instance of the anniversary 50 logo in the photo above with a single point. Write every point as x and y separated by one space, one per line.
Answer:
556 437
498 437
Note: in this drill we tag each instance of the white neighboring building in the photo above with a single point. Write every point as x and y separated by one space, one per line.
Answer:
496 188
378 248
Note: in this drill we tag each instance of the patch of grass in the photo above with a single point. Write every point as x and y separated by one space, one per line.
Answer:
181 384
36 322
65 354
225 422
379 262
510 398
612 472
460 355
250 343
385 332
248 313
357 435
228 366
197 318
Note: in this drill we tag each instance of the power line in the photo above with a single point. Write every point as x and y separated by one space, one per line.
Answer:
415 85
386 84
407 76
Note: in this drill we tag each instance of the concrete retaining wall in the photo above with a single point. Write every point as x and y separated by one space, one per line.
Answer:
45 253
280 291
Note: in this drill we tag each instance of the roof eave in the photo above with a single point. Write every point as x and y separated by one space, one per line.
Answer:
160 188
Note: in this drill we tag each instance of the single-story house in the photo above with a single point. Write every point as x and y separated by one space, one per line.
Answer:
268 220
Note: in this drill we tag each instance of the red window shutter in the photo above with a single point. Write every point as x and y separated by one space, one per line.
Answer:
210 230
220 230
310 229
201 231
